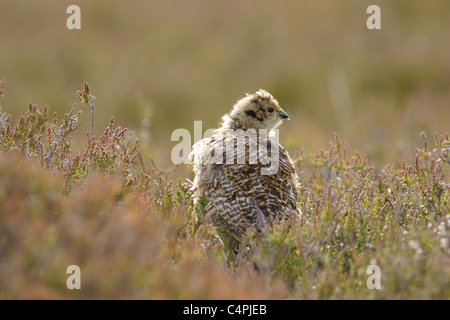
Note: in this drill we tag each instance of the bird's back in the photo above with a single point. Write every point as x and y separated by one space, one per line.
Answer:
231 177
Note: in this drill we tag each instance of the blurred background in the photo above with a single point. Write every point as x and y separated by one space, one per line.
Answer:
160 65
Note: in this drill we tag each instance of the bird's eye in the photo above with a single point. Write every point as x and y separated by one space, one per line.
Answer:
270 110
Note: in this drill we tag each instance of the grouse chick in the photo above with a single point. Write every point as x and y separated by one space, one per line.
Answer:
246 177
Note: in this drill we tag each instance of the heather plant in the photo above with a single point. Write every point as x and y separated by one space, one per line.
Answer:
50 141
135 233
353 218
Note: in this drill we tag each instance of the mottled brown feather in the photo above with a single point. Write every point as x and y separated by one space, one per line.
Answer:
238 195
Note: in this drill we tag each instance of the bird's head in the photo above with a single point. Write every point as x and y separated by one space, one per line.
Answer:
259 110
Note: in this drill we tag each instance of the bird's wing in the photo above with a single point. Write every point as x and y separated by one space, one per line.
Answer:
240 194
235 198
282 186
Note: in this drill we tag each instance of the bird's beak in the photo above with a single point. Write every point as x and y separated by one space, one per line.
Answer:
284 115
